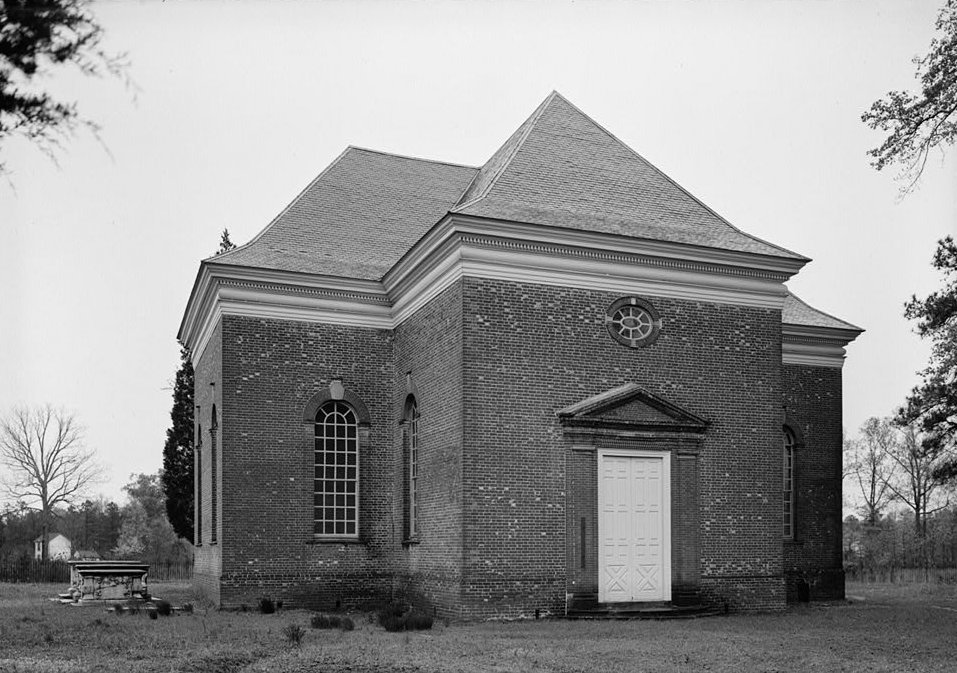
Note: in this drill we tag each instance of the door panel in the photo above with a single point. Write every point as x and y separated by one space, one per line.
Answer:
634 563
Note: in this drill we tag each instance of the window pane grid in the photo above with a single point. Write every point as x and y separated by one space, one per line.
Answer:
788 490
336 476
413 467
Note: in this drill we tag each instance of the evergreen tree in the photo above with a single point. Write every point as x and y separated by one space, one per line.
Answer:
225 245
178 473
177 478
37 37
932 405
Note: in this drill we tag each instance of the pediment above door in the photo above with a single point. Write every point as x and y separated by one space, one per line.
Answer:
631 407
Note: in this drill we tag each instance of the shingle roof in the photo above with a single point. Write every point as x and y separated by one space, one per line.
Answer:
798 312
358 217
562 169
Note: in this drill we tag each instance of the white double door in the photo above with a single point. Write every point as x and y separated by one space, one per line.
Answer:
634 526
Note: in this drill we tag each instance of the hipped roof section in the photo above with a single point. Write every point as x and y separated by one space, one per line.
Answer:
798 312
559 169
563 169
358 217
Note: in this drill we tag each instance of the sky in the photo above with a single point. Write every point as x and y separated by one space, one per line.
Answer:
754 107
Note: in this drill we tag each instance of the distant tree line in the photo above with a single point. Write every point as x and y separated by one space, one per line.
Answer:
892 544
906 513
138 529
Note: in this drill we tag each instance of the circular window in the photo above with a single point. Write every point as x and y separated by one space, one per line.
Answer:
633 322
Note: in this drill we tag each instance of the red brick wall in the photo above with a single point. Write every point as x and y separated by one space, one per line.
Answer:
207 559
428 356
813 402
271 369
530 350
490 363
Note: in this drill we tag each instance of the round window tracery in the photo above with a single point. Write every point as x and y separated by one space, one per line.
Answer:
633 322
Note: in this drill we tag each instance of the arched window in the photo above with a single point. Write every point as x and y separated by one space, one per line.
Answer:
788 519
213 490
336 493
412 467
198 469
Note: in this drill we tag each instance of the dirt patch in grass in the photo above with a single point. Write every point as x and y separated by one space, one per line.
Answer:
888 629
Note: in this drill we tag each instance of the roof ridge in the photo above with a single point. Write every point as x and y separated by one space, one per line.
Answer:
284 210
529 124
817 310
673 182
411 158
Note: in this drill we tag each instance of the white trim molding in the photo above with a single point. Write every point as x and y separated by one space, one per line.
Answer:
815 346
460 246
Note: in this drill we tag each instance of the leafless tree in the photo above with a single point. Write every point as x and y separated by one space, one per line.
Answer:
872 467
45 461
917 486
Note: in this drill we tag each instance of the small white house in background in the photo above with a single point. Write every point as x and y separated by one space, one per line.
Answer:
60 547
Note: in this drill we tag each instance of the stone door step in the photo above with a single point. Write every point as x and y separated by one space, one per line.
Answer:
641 611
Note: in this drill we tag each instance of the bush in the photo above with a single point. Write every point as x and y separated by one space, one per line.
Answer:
321 621
266 605
164 608
398 617
324 621
188 608
293 634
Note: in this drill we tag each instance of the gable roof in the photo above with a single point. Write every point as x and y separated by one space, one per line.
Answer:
798 312
52 537
358 217
561 168
631 406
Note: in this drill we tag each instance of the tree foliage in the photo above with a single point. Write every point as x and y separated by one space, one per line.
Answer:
918 482
45 461
932 405
225 244
919 123
178 474
871 466
35 37
178 453
146 534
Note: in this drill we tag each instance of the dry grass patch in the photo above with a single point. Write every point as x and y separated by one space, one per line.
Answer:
891 629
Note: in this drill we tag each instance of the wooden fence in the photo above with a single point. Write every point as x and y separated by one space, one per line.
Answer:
897 575
33 570
58 572
167 571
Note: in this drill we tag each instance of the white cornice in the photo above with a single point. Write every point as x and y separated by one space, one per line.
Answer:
812 355
463 246
222 289
815 346
591 245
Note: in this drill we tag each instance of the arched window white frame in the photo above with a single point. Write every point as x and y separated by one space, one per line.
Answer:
788 491
412 470
213 478
198 469
336 492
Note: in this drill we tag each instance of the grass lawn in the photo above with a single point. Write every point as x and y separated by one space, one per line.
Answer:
889 628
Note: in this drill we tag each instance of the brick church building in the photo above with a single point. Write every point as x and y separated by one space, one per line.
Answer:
556 379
